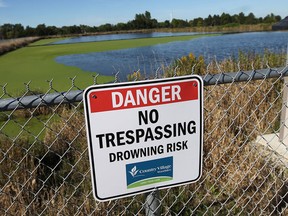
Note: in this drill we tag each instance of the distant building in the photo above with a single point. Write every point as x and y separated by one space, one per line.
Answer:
282 25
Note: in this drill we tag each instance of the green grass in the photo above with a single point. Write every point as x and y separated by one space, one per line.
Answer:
36 63
47 41
21 126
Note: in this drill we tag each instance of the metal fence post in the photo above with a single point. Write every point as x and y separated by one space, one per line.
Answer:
152 204
284 114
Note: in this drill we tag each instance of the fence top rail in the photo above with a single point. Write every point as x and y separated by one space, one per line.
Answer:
33 101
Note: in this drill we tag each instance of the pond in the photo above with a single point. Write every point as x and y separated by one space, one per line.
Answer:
107 37
149 58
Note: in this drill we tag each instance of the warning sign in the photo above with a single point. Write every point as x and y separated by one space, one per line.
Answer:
144 135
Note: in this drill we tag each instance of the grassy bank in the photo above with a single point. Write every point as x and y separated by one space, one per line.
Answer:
36 63
13 44
229 28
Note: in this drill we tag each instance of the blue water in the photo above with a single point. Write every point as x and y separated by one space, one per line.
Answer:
149 59
108 37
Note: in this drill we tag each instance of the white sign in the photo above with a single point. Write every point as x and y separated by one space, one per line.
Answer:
144 135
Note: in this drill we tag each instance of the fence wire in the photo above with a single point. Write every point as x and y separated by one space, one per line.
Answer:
45 167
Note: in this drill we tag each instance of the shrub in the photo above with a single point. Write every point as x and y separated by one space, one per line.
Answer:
14 44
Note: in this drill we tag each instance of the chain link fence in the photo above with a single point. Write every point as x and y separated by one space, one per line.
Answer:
45 167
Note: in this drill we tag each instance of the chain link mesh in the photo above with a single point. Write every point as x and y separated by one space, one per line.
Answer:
45 168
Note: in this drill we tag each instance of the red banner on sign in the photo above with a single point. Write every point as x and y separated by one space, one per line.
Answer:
150 95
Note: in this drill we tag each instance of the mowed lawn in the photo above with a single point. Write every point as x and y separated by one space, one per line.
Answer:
36 63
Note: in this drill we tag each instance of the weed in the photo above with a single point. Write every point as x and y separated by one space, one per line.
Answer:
51 175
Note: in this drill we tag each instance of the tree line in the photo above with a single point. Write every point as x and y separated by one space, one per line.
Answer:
141 21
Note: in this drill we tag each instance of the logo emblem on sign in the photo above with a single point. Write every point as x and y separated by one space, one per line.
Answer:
134 171
149 172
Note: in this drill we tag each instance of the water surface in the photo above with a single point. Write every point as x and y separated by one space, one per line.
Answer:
149 58
129 36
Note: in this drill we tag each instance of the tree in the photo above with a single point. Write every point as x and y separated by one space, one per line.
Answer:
154 23
216 20
241 18
165 24
85 29
121 26
106 27
250 19
225 19
29 31
139 21
147 15
51 30
18 31
41 30
278 18
271 18
74 29
208 21
199 22
178 23
7 31
143 21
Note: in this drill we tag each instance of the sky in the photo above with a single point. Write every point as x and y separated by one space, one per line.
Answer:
98 12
